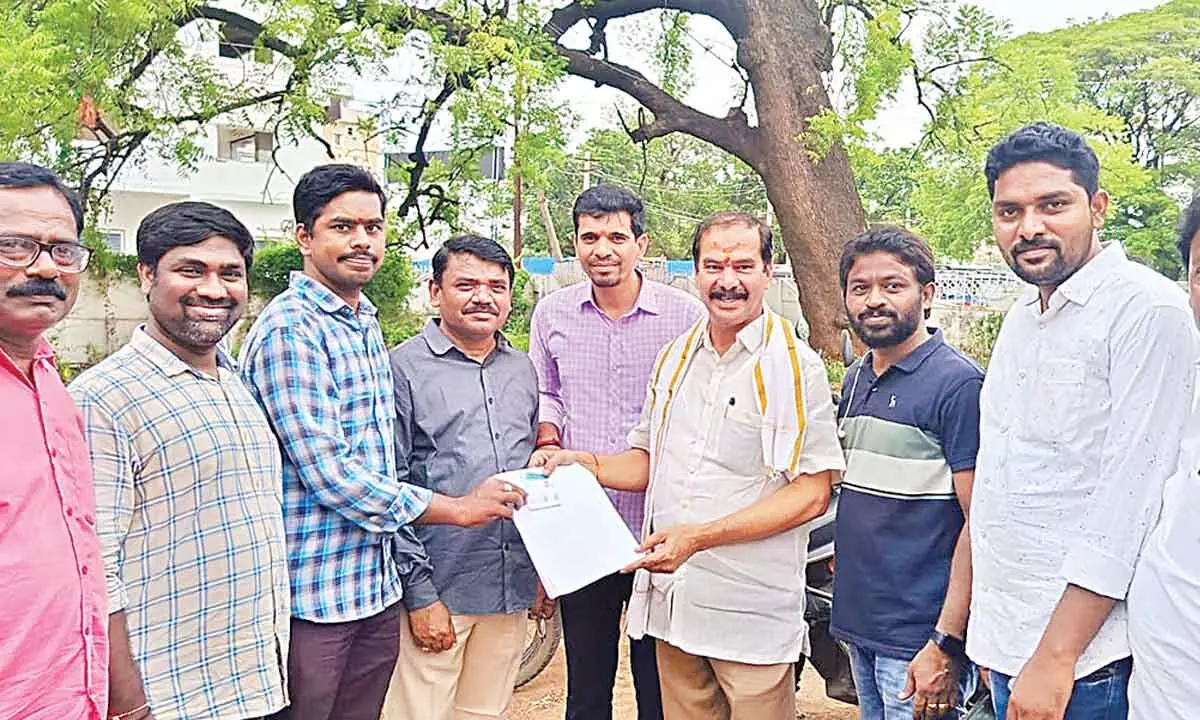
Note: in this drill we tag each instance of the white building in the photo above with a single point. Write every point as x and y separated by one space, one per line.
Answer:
244 166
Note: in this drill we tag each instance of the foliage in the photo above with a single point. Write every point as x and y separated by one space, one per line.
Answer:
517 327
681 180
981 337
105 263
835 371
1128 83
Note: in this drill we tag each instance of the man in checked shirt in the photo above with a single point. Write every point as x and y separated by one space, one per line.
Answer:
593 345
316 362
187 488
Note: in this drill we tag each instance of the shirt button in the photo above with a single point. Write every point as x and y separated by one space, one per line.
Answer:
84 569
70 512
496 436
491 400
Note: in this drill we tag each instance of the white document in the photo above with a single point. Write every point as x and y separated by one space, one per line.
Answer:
570 528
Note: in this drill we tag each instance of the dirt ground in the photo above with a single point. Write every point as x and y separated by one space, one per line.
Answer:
545 697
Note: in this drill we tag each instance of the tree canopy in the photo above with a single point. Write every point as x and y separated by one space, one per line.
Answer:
1128 83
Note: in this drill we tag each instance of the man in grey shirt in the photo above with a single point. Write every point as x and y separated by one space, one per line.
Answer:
467 408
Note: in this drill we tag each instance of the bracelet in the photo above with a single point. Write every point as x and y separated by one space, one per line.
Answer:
129 714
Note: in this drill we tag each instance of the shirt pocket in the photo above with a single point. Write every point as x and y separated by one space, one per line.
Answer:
739 441
1058 395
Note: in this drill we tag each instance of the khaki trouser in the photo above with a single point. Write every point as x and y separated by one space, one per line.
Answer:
471 681
699 688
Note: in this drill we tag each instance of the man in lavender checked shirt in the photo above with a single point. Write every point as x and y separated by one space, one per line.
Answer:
593 345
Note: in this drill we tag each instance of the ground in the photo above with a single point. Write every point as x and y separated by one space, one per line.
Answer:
543 699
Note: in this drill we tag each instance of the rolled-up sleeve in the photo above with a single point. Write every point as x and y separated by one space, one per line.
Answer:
820 449
115 474
550 405
293 381
1151 378
415 569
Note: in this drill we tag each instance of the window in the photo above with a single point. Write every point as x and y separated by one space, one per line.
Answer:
114 239
240 145
239 43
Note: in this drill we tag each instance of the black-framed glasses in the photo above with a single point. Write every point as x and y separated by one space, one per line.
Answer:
21 252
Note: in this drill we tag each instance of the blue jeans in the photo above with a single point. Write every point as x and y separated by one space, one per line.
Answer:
879 680
1099 696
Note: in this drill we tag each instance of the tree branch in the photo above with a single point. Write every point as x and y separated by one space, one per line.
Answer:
563 19
733 132
208 12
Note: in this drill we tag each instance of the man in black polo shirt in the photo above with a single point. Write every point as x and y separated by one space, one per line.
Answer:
909 425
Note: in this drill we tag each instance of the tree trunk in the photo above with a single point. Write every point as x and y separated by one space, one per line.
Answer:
548 224
784 49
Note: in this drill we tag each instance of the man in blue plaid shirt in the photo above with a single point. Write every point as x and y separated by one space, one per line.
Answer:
315 360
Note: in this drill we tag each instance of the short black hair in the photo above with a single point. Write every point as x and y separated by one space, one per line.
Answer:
1189 225
319 186
1043 142
189 223
732 217
905 245
477 245
28 175
601 200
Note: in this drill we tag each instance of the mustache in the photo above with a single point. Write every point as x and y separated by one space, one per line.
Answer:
490 310
1035 243
38 287
202 302
868 314
358 254
719 294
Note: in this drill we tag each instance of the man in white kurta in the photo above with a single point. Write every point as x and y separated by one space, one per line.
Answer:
738 447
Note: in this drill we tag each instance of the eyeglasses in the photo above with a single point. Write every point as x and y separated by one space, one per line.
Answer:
21 252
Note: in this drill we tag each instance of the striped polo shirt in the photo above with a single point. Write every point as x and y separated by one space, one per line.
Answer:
904 433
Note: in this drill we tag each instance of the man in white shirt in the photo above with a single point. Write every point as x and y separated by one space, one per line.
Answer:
730 488
1082 413
1164 599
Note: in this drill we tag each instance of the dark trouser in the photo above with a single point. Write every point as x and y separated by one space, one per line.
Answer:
1099 696
592 629
341 671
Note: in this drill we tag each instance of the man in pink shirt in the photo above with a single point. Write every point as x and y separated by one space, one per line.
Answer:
593 345
54 645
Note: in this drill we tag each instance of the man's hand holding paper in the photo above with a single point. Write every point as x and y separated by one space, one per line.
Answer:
571 530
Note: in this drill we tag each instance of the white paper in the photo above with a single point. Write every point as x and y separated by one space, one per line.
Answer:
570 528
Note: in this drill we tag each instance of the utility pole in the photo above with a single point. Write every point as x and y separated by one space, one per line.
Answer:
587 170
518 99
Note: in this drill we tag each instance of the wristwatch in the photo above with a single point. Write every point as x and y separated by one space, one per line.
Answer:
952 646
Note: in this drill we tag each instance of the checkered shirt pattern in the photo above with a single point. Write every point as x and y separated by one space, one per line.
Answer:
593 371
190 519
323 376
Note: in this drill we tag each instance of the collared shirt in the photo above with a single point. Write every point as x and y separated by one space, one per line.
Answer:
1082 413
899 519
712 466
458 422
188 507
54 640
321 372
593 370
1164 599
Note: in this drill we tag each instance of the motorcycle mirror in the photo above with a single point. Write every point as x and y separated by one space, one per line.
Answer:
848 357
